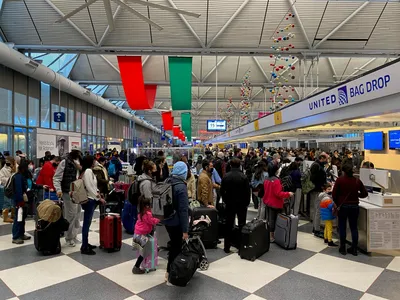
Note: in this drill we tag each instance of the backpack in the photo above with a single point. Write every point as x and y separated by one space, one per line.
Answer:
306 184
284 172
78 192
134 192
184 265
111 169
287 183
9 188
163 207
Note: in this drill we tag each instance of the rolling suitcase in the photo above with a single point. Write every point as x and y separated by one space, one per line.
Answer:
286 227
115 202
123 187
209 236
255 240
129 217
110 232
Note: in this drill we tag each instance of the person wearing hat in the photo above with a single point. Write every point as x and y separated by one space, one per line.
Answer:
178 226
67 172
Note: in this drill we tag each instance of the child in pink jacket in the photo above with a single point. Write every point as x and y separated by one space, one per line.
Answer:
143 238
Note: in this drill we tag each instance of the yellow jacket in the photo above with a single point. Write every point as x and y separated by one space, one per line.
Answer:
205 189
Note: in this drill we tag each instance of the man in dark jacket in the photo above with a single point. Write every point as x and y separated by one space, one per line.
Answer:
235 192
114 168
178 226
318 177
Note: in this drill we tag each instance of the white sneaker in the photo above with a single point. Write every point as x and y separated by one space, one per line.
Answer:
71 243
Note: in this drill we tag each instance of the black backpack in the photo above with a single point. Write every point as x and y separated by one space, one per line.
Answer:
184 265
134 193
287 183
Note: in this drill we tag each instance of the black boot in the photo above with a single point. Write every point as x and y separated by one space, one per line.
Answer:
352 251
342 249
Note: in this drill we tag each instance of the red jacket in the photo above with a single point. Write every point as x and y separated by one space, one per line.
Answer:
46 175
274 195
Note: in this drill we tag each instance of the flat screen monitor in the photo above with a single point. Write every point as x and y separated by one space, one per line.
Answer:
374 141
394 139
216 125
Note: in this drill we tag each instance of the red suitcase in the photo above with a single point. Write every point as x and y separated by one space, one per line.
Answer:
110 232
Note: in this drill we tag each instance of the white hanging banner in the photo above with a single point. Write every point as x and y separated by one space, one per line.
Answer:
45 142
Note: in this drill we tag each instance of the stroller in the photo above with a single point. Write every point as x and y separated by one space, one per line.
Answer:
195 244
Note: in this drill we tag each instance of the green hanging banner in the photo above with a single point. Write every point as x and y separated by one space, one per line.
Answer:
186 121
180 77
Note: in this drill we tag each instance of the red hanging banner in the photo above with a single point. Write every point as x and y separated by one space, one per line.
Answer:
138 95
168 120
176 129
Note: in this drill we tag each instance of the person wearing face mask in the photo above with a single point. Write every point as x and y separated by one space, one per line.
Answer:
6 172
146 180
47 172
67 172
205 184
318 177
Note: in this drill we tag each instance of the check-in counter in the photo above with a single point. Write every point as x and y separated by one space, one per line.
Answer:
378 223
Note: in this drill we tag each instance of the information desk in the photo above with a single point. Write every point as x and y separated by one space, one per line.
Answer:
378 227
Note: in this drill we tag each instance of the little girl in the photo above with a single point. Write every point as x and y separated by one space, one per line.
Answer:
143 238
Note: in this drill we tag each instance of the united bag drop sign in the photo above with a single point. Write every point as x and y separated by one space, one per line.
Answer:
348 94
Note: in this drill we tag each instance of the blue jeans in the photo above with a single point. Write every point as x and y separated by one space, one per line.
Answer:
89 208
18 229
351 213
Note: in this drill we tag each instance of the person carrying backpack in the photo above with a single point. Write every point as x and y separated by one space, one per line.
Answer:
178 226
67 172
115 168
146 180
5 173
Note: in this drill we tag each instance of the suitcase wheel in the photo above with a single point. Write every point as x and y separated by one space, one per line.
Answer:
204 264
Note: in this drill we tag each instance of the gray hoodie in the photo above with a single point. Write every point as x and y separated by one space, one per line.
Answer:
146 185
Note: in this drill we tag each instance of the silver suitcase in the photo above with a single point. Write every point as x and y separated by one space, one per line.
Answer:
286 227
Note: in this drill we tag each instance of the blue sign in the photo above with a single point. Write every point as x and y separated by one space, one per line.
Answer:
59 117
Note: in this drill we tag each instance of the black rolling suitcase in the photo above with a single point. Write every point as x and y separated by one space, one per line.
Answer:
255 240
209 236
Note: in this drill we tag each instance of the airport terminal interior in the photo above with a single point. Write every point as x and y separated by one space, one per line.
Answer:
236 117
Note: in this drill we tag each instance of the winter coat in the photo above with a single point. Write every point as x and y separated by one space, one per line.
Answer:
235 189
5 174
205 189
274 195
191 186
181 205
101 174
146 185
144 225
326 206
317 176
46 175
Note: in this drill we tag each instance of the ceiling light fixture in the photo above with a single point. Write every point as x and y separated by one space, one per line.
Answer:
123 5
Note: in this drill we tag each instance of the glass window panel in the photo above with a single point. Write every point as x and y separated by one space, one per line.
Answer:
99 133
5 139
94 125
84 142
71 120
90 124
64 125
20 113
31 146
20 139
78 121
54 108
103 127
33 112
45 105
5 106
84 123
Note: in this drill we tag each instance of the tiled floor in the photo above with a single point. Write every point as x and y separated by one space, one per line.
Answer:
311 272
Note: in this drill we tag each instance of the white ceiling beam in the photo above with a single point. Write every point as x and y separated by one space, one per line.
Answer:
145 60
261 69
110 64
334 73
213 69
194 84
295 61
243 5
122 50
195 77
163 7
108 29
363 66
297 92
109 14
84 35
303 30
354 13
201 97
188 25
205 100
256 94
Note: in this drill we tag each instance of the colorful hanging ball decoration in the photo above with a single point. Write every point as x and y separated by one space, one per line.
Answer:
293 67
